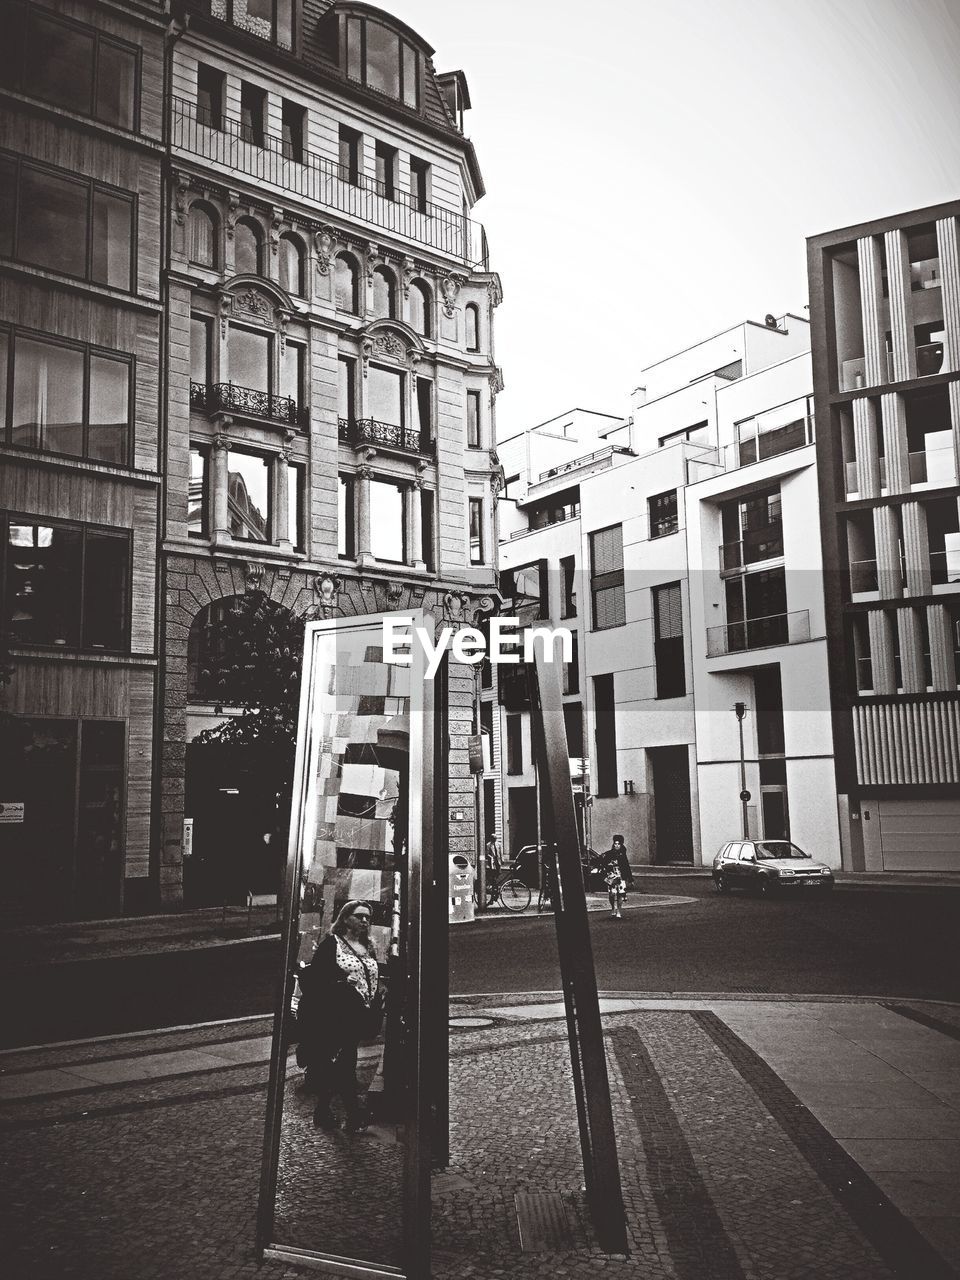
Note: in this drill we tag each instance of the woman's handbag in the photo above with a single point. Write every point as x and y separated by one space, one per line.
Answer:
370 1018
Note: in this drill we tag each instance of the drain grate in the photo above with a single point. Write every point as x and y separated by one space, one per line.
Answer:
543 1222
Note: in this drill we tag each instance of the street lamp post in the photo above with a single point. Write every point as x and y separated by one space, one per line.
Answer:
740 709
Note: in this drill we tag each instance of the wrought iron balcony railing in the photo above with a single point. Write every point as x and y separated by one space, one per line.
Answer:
759 633
328 184
385 434
226 397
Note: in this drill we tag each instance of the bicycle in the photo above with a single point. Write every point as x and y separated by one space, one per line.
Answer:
510 891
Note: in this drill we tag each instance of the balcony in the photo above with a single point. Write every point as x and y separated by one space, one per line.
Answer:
944 567
759 445
761 544
759 633
864 675
329 185
933 466
383 435
226 397
588 459
863 576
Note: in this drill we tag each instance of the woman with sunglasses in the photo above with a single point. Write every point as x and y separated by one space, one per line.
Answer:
341 991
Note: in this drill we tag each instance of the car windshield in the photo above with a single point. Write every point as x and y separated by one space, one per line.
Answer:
779 849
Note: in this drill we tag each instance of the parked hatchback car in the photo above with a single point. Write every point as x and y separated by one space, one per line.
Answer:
769 866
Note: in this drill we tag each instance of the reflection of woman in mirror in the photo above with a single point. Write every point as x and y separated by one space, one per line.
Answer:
340 1007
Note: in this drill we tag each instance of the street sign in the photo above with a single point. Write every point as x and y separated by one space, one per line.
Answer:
475 752
744 795
11 810
187 850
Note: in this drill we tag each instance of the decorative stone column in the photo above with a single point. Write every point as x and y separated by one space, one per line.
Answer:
865 438
886 535
901 322
911 651
871 293
948 248
364 476
943 661
880 626
281 502
916 549
895 455
414 512
219 493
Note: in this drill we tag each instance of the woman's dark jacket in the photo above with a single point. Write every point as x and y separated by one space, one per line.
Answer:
330 1008
617 858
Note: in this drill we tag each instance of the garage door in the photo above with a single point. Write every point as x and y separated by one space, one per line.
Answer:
920 835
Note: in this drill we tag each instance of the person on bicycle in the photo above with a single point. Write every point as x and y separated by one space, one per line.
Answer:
617 875
493 858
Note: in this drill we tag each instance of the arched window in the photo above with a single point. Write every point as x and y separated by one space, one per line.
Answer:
291 265
471 320
384 294
247 239
420 308
346 281
202 235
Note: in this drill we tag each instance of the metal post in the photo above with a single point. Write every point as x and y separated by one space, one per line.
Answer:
741 710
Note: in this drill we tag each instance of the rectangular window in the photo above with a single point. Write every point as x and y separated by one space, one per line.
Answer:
419 184
606 578
514 744
568 587
662 508
71 66
292 371
293 126
473 419
249 354
573 723
65 585
385 396
349 155
296 492
210 87
409 68
346 389
571 669
387 531
426 528
346 524
197 526
248 496
605 736
70 225
425 411
668 641
200 350
68 399
386 162
252 113
476 531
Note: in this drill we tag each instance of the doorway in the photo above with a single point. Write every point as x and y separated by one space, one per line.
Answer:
673 841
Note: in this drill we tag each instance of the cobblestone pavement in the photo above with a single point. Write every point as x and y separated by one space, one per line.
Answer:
727 1174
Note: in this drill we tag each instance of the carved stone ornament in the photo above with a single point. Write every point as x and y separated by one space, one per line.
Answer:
450 288
275 223
390 346
253 303
395 592
282 317
221 443
225 306
233 210
364 472
373 257
462 610
496 292
253 576
180 189
366 351
325 242
327 590
406 275
496 382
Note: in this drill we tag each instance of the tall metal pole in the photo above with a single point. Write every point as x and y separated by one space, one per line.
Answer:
741 710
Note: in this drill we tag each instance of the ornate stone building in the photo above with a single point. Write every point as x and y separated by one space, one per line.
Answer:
329 382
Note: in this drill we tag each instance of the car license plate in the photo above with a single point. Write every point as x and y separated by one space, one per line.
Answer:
812 884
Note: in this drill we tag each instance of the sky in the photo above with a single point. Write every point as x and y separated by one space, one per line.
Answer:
653 169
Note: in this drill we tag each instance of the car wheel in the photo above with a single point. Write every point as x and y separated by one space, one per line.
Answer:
722 886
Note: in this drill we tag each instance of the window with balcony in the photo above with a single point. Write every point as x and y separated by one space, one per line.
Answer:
756 610
65 398
930 437
248 496
384 294
924 255
563 505
203 236
65 585
475 531
293 128
419 184
74 226
943 532
385 395
349 144
346 283
249 354
293 368
777 431
346 519
421 306
253 109
381 59
752 529
668 641
259 384
473 420
385 159
606 578
292 260
471 322
210 94
248 250
662 508
844 269
70 66
387 525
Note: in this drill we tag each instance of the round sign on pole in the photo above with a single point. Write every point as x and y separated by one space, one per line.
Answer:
744 795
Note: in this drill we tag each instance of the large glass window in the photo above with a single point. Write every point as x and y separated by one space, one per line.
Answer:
606 578
248 496
247 251
346 283
664 519
200 349
475 530
66 224
291 265
292 371
387 541
346 389
202 236
381 59
471 320
249 358
384 294
668 641
385 395
386 162
69 65
420 308
66 399
473 419
65 585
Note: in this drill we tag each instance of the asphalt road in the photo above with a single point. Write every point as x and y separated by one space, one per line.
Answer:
860 941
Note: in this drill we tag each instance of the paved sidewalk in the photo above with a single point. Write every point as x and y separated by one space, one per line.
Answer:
770 1139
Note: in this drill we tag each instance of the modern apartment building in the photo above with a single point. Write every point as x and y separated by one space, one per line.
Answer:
330 380
682 546
81 323
885 310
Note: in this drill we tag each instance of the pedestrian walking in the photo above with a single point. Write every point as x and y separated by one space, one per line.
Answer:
493 856
341 1004
617 875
